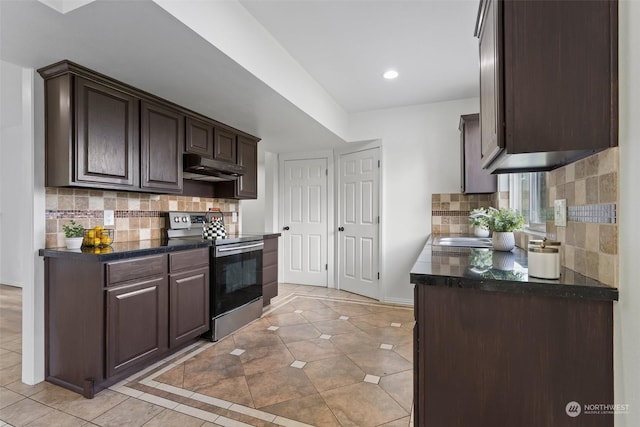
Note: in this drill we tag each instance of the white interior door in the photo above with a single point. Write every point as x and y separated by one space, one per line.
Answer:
358 222
305 222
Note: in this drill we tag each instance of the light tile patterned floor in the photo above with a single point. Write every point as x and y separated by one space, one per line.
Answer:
318 357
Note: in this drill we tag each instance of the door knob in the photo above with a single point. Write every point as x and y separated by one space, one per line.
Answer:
340 228
286 228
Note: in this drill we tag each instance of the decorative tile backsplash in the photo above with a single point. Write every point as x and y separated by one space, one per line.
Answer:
590 239
450 212
138 216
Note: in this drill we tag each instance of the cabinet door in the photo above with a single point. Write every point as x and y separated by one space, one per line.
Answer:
224 146
474 179
247 184
162 139
106 136
136 323
269 270
189 305
491 83
199 137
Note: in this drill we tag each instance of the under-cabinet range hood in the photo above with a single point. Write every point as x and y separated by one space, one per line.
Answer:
200 168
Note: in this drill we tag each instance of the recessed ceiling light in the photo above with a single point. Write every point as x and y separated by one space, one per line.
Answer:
390 75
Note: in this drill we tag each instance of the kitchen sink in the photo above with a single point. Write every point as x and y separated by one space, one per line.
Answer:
462 241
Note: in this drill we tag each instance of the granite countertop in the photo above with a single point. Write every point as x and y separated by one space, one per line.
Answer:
496 271
123 250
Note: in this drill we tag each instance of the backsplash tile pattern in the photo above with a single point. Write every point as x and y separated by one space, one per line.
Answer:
590 239
138 216
450 212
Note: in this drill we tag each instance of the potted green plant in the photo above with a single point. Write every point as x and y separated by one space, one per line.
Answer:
478 220
502 223
73 233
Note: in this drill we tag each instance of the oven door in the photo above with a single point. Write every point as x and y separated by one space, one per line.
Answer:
236 275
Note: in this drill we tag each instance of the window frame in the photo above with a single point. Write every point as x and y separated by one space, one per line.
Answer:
536 205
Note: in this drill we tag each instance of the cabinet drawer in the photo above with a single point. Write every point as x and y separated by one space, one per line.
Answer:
269 258
121 271
188 259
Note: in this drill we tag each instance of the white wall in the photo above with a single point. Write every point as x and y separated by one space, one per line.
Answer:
261 215
420 156
22 221
14 181
627 310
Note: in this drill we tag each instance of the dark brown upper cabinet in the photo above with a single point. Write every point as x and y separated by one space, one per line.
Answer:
548 82
161 142
245 187
224 145
473 179
102 149
102 133
199 137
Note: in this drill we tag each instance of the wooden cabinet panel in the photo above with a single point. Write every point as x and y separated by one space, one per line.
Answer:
528 352
269 270
199 137
106 136
491 83
136 268
548 82
136 323
189 305
224 146
161 142
473 179
246 187
188 259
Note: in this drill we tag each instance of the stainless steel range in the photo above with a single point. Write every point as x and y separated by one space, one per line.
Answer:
236 272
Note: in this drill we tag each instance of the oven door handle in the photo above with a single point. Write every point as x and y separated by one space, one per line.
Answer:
240 248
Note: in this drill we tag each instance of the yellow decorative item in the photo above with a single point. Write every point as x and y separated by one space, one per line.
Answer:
98 237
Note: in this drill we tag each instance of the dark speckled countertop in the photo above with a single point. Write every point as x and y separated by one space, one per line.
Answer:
495 271
124 250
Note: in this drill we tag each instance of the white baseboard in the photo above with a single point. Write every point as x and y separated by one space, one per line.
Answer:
401 301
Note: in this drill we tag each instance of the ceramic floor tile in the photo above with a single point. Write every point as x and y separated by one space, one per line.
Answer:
28 390
268 388
76 405
373 379
335 327
168 418
10 359
24 412
380 362
374 406
405 350
203 372
174 377
131 412
295 333
308 304
319 314
390 335
310 410
315 349
252 339
8 397
233 390
286 319
386 346
57 418
402 422
396 386
327 374
352 343
10 374
262 359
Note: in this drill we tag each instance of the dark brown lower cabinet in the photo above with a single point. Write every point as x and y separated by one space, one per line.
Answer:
106 320
136 323
189 295
269 270
499 359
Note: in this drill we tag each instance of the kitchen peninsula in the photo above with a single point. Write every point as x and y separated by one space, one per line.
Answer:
493 346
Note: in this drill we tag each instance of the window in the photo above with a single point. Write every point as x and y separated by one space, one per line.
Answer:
528 195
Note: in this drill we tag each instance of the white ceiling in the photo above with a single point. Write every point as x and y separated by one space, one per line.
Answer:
344 45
